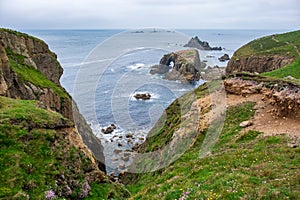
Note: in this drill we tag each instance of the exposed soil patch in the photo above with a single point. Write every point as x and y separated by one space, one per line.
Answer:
270 117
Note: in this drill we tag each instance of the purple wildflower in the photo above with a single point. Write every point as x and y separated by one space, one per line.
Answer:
86 188
69 190
50 194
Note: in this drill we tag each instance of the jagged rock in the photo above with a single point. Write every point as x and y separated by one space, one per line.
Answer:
109 129
181 65
143 96
195 42
224 58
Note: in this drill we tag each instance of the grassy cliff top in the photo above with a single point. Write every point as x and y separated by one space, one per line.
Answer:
280 44
20 34
36 157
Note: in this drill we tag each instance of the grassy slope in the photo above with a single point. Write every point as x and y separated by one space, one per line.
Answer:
281 44
33 155
245 166
29 74
289 70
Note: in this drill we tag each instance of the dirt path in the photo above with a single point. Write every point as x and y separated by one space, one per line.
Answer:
271 116
265 120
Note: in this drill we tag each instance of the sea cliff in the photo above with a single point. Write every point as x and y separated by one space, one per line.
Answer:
47 149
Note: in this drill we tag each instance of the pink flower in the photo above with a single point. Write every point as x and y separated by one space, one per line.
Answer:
49 194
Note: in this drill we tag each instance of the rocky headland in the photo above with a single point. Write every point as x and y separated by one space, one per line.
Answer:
265 54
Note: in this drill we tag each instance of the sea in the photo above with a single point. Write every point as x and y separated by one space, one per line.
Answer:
104 69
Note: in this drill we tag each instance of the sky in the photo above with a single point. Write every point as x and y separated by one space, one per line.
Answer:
130 14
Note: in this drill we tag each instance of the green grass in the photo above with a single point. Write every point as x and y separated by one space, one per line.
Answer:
164 129
19 34
280 44
242 166
34 76
23 112
290 70
36 155
30 74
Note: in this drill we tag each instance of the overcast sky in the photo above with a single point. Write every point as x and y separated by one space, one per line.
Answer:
195 14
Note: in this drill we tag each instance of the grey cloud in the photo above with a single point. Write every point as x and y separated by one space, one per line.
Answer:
149 13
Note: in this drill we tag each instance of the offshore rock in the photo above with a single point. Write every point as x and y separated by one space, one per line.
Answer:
224 58
195 42
182 65
143 96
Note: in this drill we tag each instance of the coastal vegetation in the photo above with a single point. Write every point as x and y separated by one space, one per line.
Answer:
277 44
42 154
244 165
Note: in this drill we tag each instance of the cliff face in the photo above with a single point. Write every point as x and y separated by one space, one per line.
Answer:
257 64
266 54
36 53
29 71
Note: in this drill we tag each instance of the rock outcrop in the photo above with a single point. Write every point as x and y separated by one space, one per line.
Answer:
284 96
257 64
35 53
181 65
195 42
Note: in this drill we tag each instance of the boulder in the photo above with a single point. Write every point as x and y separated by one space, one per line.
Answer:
109 129
245 124
129 135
